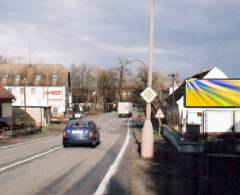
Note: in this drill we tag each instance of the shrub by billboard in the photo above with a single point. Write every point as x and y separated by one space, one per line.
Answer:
212 93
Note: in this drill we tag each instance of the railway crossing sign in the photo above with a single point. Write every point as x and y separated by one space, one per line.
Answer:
148 94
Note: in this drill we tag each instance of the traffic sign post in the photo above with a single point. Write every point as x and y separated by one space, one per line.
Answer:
159 115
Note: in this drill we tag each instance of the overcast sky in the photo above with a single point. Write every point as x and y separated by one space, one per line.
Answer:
191 35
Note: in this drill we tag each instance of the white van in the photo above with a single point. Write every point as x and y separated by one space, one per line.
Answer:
125 109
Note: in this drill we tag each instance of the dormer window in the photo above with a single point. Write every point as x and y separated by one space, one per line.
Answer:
17 77
4 78
38 77
54 78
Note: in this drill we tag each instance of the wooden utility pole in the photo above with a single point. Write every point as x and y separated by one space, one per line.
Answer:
173 76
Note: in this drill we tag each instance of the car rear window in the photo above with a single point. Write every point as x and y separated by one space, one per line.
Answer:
78 124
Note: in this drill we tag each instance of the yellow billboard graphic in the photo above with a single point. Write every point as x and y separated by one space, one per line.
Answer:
212 93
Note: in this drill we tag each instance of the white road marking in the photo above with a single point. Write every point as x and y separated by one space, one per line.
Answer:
29 159
114 167
27 142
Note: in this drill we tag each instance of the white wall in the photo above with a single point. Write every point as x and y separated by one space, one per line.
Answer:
40 96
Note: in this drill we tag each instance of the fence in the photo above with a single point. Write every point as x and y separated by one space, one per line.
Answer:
16 131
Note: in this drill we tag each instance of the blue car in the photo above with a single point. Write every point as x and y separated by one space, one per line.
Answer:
80 131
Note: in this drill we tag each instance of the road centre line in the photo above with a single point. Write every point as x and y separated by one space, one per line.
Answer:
27 142
29 159
114 167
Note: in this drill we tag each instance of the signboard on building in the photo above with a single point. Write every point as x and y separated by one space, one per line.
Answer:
212 93
54 92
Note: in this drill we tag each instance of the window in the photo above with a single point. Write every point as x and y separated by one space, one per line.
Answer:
17 77
55 109
78 124
32 90
54 78
93 125
38 77
4 78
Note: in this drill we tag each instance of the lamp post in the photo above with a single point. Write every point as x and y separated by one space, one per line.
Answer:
147 132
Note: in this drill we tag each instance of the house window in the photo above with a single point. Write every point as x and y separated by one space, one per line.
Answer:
54 78
4 78
17 78
21 90
32 90
38 77
55 110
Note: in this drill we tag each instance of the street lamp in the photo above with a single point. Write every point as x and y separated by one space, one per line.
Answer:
147 132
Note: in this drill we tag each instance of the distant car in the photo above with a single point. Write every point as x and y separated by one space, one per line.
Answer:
77 115
80 131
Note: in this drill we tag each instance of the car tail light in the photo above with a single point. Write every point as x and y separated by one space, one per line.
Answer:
65 134
91 134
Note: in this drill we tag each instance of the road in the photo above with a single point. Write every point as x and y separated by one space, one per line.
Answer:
45 167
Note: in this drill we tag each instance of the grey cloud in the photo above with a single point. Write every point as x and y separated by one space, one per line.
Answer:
190 35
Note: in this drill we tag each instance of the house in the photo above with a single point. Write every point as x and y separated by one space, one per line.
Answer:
41 89
6 99
200 120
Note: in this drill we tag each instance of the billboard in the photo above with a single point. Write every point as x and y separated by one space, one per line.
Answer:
212 93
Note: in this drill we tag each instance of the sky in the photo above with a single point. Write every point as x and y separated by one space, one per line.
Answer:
190 36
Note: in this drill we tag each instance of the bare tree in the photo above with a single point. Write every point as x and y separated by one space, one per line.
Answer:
10 60
121 70
105 88
82 82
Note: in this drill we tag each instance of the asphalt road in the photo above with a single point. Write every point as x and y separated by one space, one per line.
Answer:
44 167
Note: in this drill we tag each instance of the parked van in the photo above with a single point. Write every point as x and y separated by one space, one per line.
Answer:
125 109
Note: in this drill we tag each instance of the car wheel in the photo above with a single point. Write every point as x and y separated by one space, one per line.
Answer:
94 144
65 145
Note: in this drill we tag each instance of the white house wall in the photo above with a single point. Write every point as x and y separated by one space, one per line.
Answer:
40 96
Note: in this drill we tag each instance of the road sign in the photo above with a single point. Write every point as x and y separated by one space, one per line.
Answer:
159 114
148 94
